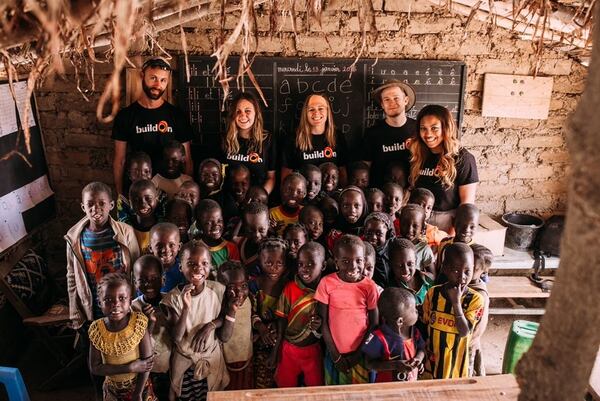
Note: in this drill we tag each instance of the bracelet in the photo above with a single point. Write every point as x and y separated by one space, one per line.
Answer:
338 359
229 318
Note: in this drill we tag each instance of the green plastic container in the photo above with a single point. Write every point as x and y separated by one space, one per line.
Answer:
518 342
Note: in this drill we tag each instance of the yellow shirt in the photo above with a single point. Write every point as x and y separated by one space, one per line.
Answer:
119 347
282 218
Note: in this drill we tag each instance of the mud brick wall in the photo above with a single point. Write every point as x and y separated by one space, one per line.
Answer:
523 164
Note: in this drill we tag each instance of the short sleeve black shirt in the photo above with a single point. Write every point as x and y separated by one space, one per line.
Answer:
149 130
258 164
383 144
295 159
448 198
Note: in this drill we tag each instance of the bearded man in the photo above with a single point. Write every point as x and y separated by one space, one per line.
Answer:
150 122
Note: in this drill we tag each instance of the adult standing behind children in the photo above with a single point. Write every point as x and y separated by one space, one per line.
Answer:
150 122
441 165
316 139
387 141
246 142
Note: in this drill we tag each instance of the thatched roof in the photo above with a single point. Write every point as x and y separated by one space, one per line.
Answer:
40 34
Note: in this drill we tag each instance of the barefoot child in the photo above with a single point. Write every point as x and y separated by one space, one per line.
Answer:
121 348
147 277
266 289
348 310
451 311
237 351
298 349
96 245
195 311
395 350
483 261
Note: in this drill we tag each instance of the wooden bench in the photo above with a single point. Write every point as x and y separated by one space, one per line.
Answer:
487 388
511 288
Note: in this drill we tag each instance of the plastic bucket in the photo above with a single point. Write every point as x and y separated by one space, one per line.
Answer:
522 333
521 231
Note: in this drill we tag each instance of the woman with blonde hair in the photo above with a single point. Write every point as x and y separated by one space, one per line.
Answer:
316 140
440 164
246 141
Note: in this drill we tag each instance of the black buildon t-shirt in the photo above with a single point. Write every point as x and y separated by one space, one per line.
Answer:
258 164
383 144
448 198
295 159
149 130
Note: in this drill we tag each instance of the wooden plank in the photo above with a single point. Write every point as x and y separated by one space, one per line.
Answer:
516 96
488 388
517 311
514 287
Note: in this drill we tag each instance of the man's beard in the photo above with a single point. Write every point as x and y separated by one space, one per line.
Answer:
148 91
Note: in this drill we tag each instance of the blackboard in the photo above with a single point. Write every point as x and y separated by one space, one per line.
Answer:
26 199
285 83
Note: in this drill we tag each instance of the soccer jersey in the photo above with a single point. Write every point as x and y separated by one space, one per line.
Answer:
385 345
101 255
448 351
297 305
280 216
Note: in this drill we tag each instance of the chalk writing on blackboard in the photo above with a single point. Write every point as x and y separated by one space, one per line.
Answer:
287 81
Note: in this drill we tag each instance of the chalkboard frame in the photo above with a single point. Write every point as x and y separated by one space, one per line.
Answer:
50 218
204 138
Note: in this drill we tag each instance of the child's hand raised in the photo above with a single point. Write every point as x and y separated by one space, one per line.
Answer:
142 365
149 312
454 294
275 225
199 340
187 295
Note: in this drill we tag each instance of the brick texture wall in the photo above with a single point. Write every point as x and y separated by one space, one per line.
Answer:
523 164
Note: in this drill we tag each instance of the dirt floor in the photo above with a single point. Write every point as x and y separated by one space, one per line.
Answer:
80 389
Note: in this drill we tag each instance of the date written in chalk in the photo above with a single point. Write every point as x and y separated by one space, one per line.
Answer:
306 68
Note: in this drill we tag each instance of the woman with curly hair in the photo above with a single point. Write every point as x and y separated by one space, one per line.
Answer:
440 164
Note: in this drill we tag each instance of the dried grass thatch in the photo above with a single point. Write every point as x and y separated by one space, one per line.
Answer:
39 34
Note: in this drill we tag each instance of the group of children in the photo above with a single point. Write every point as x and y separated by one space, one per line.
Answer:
331 286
